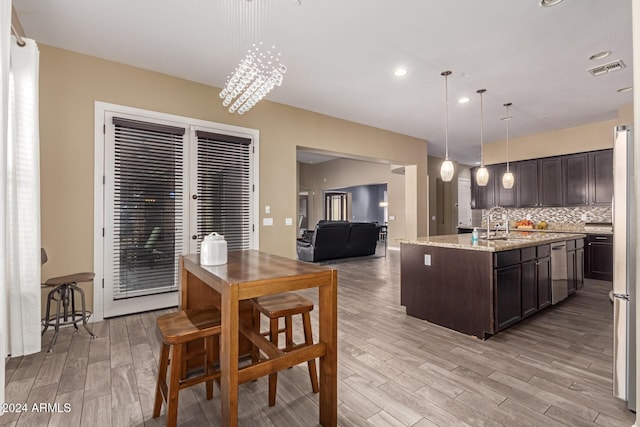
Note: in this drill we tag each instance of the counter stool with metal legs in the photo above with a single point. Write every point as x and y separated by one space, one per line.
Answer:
63 293
284 305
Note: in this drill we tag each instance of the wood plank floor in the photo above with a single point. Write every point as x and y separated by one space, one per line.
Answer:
394 370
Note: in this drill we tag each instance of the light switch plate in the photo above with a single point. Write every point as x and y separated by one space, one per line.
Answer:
267 209
427 259
288 221
267 222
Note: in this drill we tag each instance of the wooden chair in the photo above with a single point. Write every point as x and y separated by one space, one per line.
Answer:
275 307
177 329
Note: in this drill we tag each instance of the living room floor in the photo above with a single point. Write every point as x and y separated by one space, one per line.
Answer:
554 368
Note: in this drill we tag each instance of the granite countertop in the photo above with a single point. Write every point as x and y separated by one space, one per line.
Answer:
516 240
558 228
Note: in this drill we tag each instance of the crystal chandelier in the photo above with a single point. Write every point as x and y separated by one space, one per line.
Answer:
258 73
507 178
482 174
446 169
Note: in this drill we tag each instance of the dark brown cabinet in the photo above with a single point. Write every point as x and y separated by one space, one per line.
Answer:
522 282
543 277
587 178
550 188
539 183
575 265
529 284
483 197
505 197
508 296
527 183
598 256
575 173
601 177
582 179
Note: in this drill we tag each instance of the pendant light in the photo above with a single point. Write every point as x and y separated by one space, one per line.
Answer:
482 174
446 170
507 178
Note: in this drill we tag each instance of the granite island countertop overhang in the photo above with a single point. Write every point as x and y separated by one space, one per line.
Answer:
516 240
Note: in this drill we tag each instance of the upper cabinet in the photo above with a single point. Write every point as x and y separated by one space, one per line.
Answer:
503 196
539 183
601 177
575 183
483 197
581 179
527 183
550 189
588 178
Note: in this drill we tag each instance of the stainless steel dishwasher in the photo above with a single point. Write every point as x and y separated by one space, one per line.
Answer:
559 279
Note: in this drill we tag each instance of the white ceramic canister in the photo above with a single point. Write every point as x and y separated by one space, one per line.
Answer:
213 250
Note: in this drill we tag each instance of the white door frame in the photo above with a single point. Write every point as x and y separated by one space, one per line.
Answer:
100 111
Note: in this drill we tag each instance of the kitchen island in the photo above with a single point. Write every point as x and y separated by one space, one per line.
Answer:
480 288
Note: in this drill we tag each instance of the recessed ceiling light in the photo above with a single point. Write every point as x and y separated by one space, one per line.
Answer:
600 55
549 3
625 89
463 100
400 72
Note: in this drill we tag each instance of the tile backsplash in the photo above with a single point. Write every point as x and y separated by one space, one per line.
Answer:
559 217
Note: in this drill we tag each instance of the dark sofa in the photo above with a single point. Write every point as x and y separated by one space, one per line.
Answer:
339 239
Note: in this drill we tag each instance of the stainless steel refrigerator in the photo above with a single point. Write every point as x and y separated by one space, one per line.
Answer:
624 263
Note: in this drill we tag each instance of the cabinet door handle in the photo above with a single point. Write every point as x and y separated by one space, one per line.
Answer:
601 238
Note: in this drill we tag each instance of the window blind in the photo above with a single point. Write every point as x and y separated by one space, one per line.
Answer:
224 188
147 207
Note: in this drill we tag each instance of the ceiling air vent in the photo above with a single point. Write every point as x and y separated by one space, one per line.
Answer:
607 68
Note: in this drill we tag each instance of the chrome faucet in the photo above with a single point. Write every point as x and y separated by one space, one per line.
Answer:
491 215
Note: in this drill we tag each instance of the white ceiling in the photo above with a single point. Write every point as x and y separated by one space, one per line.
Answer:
340 56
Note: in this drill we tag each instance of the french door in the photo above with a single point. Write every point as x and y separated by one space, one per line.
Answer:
166 185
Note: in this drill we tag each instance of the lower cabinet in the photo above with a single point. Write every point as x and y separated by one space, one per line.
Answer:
508 296
529 288
575 265
598 257
543 267
523 283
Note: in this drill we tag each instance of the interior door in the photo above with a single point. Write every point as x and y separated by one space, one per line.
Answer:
464 201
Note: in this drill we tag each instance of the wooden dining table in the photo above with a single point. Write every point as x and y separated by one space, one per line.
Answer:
249 274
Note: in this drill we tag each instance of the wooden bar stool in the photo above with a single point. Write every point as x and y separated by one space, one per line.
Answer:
177 329
284 305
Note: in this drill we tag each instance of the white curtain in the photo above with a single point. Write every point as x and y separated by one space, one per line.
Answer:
20 179
23 201
5 39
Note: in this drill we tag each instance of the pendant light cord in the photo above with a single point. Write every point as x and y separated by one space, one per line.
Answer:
446 113
446 117
508 119
481 91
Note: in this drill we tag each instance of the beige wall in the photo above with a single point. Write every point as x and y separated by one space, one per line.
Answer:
70 83
340 173
595 136
625 115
